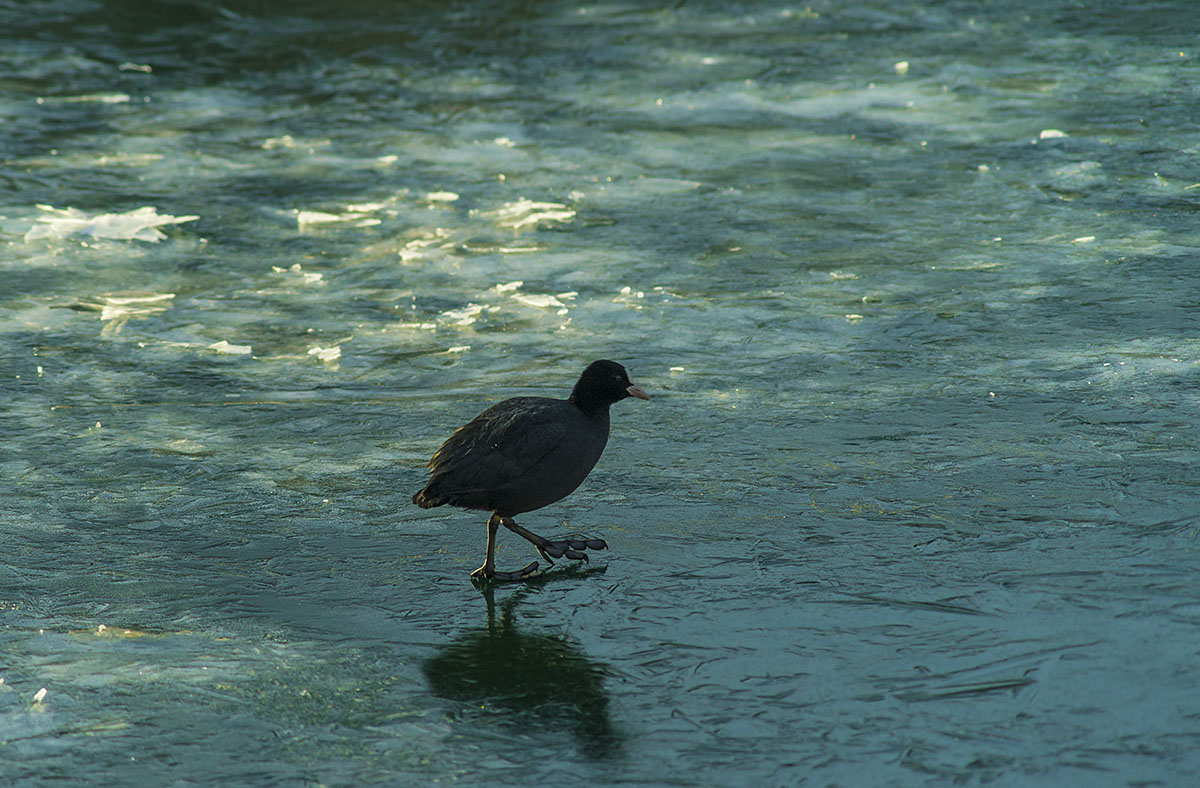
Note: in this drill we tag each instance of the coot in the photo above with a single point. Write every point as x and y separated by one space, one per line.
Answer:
524 453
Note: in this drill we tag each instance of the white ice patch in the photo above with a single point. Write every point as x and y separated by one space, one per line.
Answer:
225 347
121 159
420 247
90 98
326 354
124 307
465 316
540 301
296 268
139 225
524 213
359 215
286 141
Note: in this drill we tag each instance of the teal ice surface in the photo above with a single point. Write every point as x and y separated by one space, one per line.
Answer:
911 286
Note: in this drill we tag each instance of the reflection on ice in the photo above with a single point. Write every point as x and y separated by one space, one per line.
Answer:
526 680
138 225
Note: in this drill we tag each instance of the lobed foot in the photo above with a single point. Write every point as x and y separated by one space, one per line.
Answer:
528 571
569 548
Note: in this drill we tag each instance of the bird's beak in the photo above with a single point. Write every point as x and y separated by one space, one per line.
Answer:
636 391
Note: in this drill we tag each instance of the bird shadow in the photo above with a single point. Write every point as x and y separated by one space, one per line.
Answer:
524 680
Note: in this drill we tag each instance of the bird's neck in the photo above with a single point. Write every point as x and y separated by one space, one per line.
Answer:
592 407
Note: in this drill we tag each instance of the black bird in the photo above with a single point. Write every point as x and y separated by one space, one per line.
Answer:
525 453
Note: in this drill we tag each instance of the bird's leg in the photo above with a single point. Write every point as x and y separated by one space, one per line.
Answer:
489 563
563 548
488 570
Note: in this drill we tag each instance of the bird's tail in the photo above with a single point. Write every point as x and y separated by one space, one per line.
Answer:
429 498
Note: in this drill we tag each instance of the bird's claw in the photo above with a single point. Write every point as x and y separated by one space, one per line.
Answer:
570 548
530 570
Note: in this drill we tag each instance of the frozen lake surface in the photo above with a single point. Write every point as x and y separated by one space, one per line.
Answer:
912 287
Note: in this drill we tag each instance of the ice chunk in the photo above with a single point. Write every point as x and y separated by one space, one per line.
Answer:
139 225
286 141
304 218
98 98
538 300
465 316
224 347
124 307
525 212
416 248
296 268
359 213
326 354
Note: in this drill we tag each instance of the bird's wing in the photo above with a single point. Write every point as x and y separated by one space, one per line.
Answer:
499 445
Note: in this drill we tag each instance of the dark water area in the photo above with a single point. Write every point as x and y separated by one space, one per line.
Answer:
912 287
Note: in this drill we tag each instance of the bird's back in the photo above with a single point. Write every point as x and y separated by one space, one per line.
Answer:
518 455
